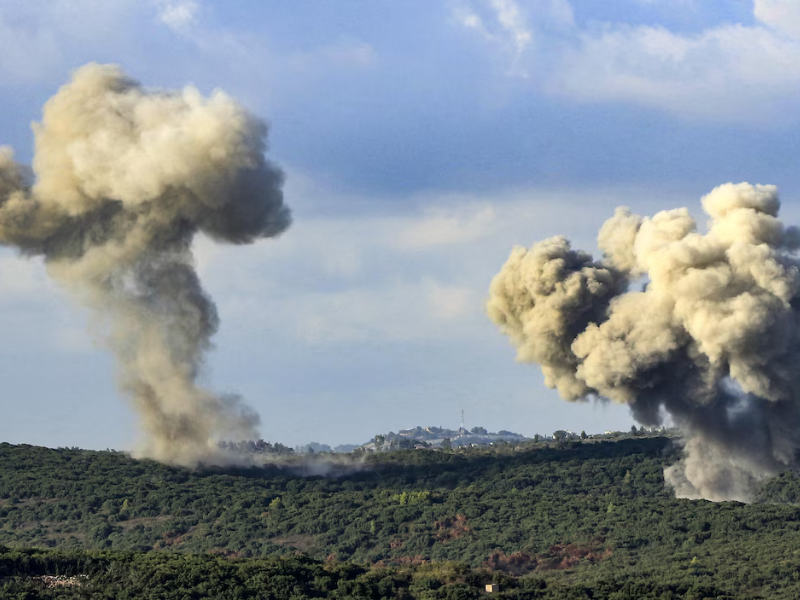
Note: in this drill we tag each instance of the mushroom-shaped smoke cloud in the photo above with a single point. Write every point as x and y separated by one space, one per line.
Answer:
122 180
713 339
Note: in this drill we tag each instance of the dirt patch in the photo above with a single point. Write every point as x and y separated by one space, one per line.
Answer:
175 538
558 557
516 564
451 528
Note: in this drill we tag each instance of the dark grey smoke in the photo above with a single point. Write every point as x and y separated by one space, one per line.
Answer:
713 340
123 178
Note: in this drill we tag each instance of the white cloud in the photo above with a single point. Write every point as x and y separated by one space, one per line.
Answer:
510 19
402 311
417 276
452 302
351 279
447 226
781 15
178 15
38 37
505 27
727 72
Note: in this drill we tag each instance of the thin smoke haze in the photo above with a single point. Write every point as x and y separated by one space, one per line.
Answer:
712 339
122 180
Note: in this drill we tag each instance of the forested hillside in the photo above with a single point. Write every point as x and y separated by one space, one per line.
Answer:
581 516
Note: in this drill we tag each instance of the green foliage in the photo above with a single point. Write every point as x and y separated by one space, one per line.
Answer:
45 574
584 520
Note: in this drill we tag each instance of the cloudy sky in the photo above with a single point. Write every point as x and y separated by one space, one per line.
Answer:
421 140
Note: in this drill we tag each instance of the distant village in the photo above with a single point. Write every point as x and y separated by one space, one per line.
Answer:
442 439
439 438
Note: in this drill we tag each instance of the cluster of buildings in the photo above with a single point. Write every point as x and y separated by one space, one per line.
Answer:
436 438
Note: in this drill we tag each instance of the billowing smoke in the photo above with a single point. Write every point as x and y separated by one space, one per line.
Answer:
122 180
712 339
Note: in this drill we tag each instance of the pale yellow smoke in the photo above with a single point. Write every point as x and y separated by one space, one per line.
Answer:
713 339
123 178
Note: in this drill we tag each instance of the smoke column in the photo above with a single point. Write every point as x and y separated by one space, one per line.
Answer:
122 180
712 339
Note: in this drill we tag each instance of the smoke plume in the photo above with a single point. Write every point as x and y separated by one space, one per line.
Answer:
712 339
122 180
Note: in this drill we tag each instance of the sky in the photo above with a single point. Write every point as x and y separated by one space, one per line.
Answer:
421 141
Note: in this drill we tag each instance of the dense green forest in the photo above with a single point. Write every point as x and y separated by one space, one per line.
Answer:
572 520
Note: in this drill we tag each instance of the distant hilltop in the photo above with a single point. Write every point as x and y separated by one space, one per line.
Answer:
423 437
436 438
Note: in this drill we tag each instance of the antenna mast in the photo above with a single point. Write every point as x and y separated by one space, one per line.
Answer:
462 419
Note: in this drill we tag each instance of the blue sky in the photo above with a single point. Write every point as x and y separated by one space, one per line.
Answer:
421 141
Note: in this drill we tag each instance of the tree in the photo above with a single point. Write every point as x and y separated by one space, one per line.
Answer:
479 431
583 435
447 445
